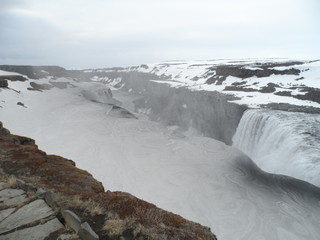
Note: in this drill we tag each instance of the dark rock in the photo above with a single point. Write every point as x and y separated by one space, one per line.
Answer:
43 86
239 83
21 184
3 83
26 186
313 94
240 89
21 104
50 199
23 141
291 108
41 192
212 80
3 131
144 66
240 72
270 88
121 112
33 89
283 93
14 78
216 79
36 72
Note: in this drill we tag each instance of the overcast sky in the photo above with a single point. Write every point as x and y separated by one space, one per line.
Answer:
100 33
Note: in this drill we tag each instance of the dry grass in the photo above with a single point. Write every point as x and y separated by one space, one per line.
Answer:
74 236
32 195
76 200
114 227
173 220
90 206
70 200
148 215
12 181
111 215
94 208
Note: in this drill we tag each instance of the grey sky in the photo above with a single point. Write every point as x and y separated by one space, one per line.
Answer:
98 33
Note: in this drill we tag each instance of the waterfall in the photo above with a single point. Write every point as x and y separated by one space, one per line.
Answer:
282 142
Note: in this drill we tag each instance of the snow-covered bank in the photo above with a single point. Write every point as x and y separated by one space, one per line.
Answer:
251 82
200 178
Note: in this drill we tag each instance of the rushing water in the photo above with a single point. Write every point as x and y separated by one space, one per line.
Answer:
282 142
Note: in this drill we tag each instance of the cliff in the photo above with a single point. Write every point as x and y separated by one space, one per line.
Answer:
112 215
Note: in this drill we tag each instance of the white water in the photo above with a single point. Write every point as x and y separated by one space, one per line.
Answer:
282 142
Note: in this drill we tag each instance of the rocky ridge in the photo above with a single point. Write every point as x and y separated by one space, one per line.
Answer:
77 200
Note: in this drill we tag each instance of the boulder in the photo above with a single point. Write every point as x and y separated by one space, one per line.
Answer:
86 232
72 220
3 83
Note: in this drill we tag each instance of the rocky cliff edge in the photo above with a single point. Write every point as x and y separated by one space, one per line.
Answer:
111 215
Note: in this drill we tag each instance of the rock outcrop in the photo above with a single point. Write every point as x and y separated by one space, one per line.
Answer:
3 83
74 194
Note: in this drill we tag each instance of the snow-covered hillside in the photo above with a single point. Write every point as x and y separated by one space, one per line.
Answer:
253 82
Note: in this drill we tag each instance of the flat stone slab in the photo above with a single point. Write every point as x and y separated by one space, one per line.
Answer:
14 201
29 213
5 213
10 197
38 232
10 193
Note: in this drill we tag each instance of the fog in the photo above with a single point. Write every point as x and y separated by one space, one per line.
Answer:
84 34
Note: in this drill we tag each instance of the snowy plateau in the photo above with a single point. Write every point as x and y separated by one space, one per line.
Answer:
231 144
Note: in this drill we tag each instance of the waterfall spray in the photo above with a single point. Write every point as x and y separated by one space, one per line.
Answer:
282 142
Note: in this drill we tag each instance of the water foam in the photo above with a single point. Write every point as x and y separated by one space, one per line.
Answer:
282 142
